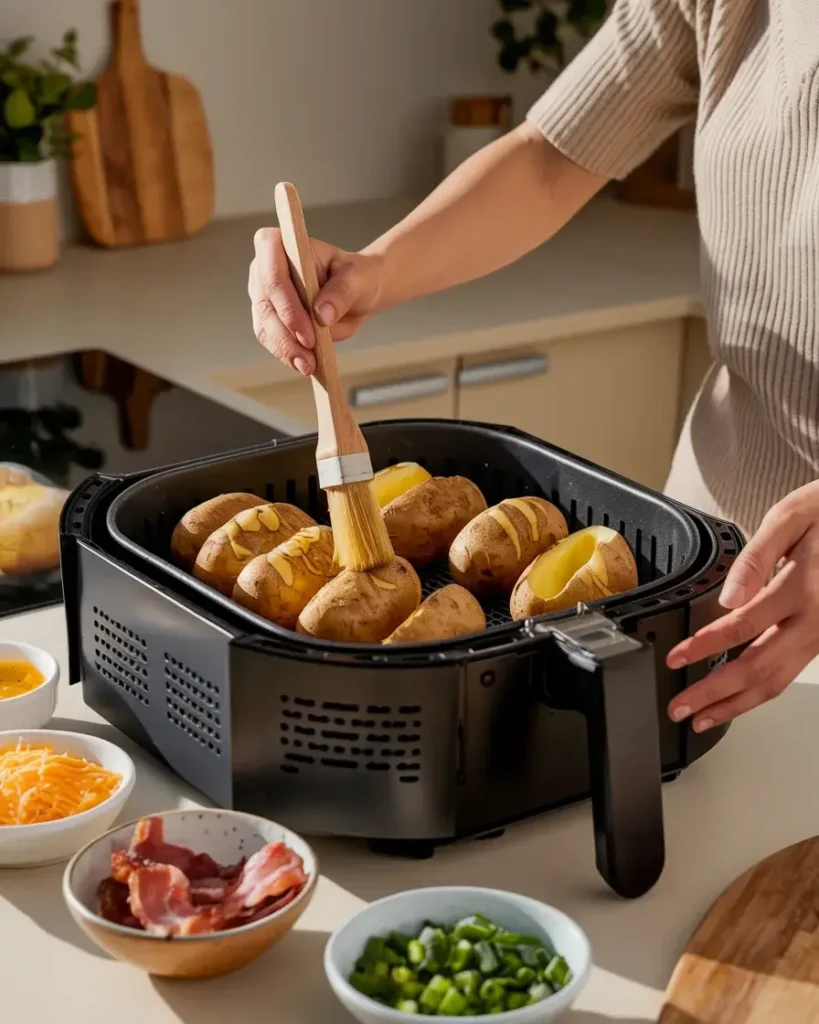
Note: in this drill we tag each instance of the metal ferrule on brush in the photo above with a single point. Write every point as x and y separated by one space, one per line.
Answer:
344 469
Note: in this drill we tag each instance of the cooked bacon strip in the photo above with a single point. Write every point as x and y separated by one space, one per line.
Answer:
268 873
112 899
251 914
148 846
161 901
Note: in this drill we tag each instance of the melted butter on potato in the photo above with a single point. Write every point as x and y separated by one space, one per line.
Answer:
390 483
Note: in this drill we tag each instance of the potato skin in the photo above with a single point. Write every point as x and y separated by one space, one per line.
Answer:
363 607
194 528
252 532
279 584
610 570
484 558
446 613
424 521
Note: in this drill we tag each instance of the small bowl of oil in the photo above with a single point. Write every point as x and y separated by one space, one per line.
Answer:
28 686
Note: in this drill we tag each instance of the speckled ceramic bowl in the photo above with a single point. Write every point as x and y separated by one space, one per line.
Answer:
227 836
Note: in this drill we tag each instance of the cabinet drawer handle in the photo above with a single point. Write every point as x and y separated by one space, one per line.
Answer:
508 369
399 390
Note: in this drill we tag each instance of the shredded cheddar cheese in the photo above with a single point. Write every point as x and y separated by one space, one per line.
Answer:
37 784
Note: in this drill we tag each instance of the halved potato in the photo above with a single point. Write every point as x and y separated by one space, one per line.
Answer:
446 613
390 483
492 550
586 566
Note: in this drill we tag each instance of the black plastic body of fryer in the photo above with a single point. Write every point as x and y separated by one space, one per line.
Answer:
422 747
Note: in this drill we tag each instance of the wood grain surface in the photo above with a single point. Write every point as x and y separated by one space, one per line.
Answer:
143 165
754 959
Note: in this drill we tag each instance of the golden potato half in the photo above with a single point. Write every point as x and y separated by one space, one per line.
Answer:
446 613
255 531
586 566
491 551
194 528
390 483
279 585
363 607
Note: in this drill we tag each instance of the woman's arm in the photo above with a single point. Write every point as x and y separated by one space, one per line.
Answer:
498 205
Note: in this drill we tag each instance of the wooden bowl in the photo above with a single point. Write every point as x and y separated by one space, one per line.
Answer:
227 836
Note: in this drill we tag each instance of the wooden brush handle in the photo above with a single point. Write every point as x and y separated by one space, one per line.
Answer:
338 432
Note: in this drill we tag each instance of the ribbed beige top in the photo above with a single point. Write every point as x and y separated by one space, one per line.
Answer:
748 71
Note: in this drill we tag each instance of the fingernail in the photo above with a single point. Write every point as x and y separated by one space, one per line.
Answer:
732 595
326 314
676 660
305 340
302 366
702 724
680 712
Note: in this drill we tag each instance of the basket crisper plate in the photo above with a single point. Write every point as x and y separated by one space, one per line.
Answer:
503 462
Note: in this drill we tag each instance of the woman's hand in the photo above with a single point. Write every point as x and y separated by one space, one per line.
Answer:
350 287
780 614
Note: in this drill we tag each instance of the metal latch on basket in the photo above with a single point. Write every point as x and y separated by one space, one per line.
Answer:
589 639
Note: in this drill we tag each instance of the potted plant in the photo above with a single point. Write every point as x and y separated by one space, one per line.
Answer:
34 98
544 34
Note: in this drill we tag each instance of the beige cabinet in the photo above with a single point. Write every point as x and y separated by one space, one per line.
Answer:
426 390
611 397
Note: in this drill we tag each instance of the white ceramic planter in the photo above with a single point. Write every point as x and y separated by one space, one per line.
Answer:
28 216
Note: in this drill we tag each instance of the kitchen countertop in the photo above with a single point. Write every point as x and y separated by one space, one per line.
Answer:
181 310
726 812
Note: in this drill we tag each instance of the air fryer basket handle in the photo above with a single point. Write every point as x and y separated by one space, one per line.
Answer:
612 681
625 766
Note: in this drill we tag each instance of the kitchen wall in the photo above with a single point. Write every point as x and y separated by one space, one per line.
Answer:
342 96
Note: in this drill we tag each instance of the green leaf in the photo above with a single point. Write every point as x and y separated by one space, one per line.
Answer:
83 97
28 152
596 10
18 110
53 87
19 46
11 79
509 56
504 30
70 37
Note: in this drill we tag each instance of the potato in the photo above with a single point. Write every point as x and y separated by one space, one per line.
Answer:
255 531
491 551
363 607
424 521
448 612
586 566
278 585
29 524
194 528
392 482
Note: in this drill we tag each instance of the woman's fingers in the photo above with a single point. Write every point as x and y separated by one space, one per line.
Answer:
780 530
271 332
772 605
273 275
761 673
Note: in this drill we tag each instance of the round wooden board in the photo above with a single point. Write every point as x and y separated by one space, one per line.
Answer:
754 959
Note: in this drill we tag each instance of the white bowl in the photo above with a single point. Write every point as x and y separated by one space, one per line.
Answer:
227 836
50 842
406 912
34 709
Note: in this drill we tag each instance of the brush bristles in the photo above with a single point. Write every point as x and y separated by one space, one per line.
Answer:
359 533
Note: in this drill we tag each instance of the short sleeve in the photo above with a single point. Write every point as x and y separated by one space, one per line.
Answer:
631 87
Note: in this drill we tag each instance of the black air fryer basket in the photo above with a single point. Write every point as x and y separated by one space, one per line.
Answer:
406 746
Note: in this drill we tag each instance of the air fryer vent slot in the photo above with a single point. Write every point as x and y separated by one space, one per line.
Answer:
336 735
120 656
192 704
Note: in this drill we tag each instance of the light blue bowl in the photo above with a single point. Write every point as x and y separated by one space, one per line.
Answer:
406 912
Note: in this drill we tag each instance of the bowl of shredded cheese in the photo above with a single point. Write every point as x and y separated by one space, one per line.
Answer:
58 790
28 686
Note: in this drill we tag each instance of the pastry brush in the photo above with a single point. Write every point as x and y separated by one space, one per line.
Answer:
342 457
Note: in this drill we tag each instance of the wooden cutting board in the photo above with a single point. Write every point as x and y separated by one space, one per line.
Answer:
143 165
755 957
